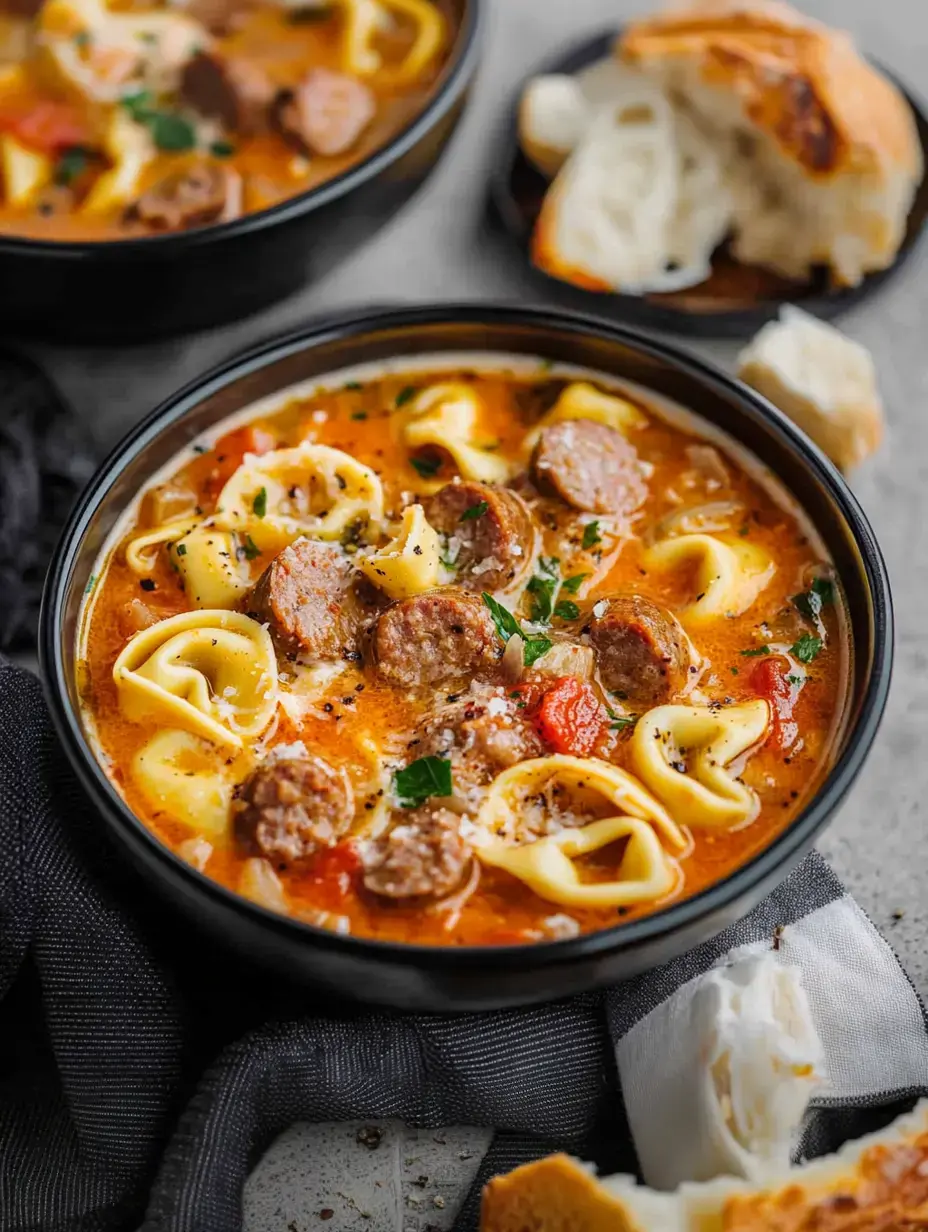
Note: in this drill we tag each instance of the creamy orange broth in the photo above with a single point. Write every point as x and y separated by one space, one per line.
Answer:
286 47
367 423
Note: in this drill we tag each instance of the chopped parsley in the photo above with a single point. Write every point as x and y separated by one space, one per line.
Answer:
406 394
543 588
169 131
755 651
796 681
425 777
621 722
354 385
181 549
91 582
70 166
148 584
810 602
474 512
259 504
81 39
222 149
359 414
807 648
309 15
573 584
566 609
249 548
591 535
507 626
427 467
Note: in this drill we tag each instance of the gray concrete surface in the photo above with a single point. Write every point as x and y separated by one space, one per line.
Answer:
432 252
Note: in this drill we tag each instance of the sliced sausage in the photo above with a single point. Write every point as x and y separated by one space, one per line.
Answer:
590 466
313 601
326 113
423 856
291 807
230 89
199 194
641 651
437 636
494 545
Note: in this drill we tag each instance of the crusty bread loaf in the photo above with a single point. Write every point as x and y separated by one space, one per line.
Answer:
829 158
821 379
877 1184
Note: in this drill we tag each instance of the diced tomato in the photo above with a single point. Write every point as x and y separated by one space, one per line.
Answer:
46 125
335 871
770 680
570 718
226 455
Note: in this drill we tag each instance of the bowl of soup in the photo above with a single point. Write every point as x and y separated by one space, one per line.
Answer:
457 657
167 167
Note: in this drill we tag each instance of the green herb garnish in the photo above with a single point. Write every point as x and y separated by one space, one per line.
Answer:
259 504
359 415
171 132
309 16
91 582
566 609
810 602
573 584
71 165
406 394
591 535
622 722
421 779
81 39
544 587
352 385
474 512
427 467
807 648
222 149
507 626
181 549
757 650
796 680
250 549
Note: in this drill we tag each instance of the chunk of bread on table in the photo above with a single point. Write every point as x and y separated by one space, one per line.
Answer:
875 1184
829 158
823 380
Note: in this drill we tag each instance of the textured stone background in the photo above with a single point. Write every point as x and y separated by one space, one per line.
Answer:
433 251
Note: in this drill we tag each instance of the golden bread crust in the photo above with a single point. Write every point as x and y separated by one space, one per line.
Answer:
553 1195
799 81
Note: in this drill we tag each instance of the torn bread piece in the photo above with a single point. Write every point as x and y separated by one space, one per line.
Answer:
823 380
878 1183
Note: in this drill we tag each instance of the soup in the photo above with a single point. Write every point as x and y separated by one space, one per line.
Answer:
135 119
471 656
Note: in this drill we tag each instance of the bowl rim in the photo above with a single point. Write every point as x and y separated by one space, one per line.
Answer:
621 937
446 91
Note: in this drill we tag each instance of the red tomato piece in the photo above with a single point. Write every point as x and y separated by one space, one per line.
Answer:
570 718
770 679
335 871
47 125
227 454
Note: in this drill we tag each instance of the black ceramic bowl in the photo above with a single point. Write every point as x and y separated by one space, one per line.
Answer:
114 291
737 299
418 977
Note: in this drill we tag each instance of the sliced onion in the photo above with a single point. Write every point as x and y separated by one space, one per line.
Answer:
196 851
708 461
701 519
261 884
513 660
453 803
567 659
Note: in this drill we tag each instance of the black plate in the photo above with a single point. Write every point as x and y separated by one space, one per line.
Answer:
468 977
133 290
738 299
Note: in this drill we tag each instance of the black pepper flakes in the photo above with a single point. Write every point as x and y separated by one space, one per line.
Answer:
148 584
369 1136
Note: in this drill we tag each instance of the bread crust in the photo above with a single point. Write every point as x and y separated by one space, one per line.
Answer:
799 81
556 1194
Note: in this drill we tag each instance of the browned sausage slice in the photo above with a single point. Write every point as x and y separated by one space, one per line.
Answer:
313 601
423 856
326 113
590 466
641 650
229 89
199 194
291 807
495 542
437 636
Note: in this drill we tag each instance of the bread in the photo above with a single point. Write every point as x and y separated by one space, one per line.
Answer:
828 154
877 1184
822 380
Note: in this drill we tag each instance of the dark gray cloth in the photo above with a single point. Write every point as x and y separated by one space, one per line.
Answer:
141 1077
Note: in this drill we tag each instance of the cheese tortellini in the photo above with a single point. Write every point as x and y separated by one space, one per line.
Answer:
366 19
729 576
130 149
540 815
25 171
212 565
309 489
213 673
445 416
409 563
142 550
179 774
581 400
684 754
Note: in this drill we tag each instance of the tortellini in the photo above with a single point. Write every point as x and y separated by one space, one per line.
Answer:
142 550
213 673
729 576
409 563
212 566
644 874
130 150
684 754
309 489
581 400
365 19
445 416
25 171
180 774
